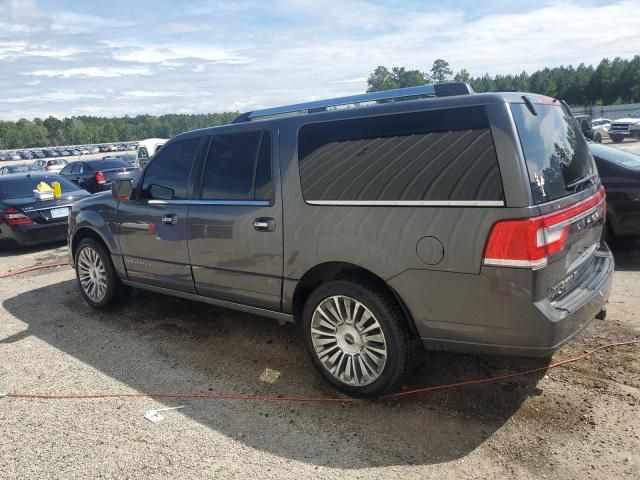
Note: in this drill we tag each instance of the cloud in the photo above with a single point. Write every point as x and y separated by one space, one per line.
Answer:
91 72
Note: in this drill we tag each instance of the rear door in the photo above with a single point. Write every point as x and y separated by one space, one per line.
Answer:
235 224
562 173
152 227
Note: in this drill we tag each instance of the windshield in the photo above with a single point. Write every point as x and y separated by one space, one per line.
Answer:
555 151
615 155
24 186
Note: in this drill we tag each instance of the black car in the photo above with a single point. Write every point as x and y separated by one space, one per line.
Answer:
24 220
97 175
620 174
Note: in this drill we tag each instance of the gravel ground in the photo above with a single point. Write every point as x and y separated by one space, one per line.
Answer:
576 422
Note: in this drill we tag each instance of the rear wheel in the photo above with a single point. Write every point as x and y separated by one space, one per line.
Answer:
597 138
616 138
357 338
97 278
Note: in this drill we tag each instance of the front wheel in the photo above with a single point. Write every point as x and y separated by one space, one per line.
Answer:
97 278
597 138
357 338
616 138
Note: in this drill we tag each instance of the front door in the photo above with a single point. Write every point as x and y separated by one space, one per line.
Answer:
152 227
235 222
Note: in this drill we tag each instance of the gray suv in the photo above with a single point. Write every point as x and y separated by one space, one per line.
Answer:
429 216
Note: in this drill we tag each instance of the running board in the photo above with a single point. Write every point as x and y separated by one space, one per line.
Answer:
262 312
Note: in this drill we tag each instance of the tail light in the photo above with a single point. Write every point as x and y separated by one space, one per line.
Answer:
13 216
100 178
529 242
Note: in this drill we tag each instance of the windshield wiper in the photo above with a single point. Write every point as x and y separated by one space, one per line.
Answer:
581 181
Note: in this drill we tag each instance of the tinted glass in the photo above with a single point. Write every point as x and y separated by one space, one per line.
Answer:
66 170
76 169
443 155
24 186
615 155
555 151
263 184
233 169
167 176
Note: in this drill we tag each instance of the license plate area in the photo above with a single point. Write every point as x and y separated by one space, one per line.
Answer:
62 212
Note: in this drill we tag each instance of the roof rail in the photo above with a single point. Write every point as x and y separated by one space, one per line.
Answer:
431 90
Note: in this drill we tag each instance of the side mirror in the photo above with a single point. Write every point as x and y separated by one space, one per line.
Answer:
121 189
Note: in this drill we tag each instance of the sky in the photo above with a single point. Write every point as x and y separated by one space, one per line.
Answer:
129 57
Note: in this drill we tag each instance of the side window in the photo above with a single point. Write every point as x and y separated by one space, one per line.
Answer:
142 153
441 155
239 167
77 168
66 170
167 175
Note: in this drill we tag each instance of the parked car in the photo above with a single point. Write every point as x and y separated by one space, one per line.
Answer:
628 127
27 221
14 156
604 123
148 148
97 175
590 132
20 168
376 228
64 153
53 166
620 174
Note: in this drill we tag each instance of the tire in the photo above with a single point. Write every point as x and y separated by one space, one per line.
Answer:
597 138
337 341
616 138
93 261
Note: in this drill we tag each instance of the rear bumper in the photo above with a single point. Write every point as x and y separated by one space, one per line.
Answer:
26 235
493 313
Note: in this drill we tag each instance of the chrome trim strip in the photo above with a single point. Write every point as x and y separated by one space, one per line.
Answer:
578 217
410 203
47 208
247 203
213 301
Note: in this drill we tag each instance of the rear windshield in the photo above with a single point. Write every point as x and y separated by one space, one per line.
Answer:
555 151
108 165
24 186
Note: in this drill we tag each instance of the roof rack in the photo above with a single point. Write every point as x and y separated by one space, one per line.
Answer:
431 90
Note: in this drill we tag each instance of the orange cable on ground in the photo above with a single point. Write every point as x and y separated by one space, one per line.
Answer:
220 396
33 268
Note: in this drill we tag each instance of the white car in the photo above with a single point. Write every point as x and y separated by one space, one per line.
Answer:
53 165
625 127
604 123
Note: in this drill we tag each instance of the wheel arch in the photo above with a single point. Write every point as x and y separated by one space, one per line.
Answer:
328 271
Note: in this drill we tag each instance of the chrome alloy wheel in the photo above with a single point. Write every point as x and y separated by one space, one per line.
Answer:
348 340
92 274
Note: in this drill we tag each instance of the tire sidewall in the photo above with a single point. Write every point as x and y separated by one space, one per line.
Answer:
388 318
108 299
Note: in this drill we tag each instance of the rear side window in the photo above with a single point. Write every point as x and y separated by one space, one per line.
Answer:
167 176
443 155
239 167
24 186
556 153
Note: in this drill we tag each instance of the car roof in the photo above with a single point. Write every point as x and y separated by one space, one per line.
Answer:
404 106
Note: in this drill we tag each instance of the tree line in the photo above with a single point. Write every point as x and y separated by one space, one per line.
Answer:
611 82
614 81
83 130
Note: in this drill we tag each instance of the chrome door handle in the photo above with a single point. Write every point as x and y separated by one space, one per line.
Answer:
170 219
264 224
